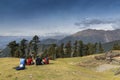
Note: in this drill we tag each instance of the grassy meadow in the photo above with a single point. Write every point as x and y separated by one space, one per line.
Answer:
79 68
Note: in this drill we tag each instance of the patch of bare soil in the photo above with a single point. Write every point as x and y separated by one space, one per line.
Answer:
91 63
105 67
98 65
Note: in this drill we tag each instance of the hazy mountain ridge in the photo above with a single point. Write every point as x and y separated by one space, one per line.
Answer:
92 35
108 38
49 41
89 35
4 40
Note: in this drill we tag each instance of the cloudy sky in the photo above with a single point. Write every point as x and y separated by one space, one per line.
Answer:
46 17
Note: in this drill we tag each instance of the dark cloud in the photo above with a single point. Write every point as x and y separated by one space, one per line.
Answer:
86 23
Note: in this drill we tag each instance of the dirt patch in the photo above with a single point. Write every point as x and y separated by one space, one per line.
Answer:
105 67
91 63
97 65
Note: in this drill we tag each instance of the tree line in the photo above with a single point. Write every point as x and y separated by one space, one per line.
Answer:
116 46
78 48
64 50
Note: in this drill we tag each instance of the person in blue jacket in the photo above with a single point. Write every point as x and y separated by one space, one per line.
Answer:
22 64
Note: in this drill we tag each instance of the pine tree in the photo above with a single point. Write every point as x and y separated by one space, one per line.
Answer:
75 53
52 51
68 49
60 51
30 47
14 47
95 47
91 49
101 50
23 47
85 50
80 48
17 52
35 41
45 53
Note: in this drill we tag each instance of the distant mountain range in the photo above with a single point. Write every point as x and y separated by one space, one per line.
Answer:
49 41
92 35
108 39
89 35
4 40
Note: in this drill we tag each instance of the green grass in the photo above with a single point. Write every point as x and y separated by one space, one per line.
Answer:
60 69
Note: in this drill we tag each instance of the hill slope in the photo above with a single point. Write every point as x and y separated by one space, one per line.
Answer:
60 69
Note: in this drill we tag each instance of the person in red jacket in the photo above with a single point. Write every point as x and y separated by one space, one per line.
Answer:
29 61
46 60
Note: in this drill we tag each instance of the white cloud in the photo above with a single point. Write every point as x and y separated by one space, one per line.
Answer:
102 26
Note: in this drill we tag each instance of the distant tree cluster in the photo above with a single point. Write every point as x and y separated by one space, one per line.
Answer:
24 48
78 48
116 46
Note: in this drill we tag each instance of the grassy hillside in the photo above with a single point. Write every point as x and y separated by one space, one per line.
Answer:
61 69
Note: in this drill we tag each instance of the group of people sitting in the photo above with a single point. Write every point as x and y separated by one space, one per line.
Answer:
30 61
